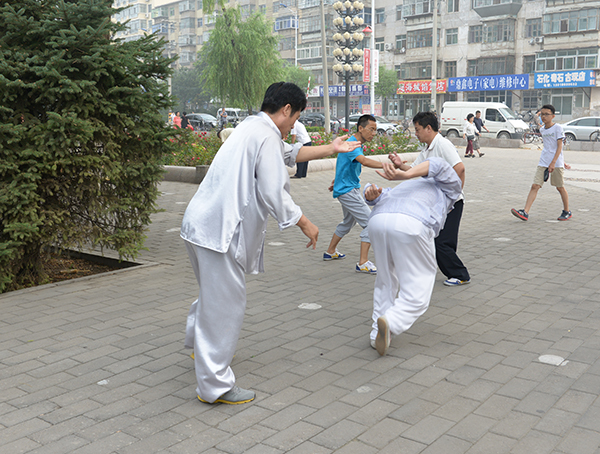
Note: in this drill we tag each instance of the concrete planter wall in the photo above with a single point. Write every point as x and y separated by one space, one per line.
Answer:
182 174
491 143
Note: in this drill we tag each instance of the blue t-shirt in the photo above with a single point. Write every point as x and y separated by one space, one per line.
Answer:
347 171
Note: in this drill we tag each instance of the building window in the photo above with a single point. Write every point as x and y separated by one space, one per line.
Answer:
528 64
187 5
200 5
566 59
499 31
531 99
189 23
399 12
476 34
379 44
199 22
286 43
452 6
416 7
533 27
310 50
491 66
262 9
401 42
367 15
285 23
450 69
419 38
380 15
415 70
571 21
452 36
480 3
310 24
307 3
171 11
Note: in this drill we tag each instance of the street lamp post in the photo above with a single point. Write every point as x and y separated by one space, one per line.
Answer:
296 27
347 38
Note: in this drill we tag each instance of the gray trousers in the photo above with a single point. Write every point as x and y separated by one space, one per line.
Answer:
355 210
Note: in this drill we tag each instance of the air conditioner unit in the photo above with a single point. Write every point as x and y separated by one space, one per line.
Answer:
388 46
539 39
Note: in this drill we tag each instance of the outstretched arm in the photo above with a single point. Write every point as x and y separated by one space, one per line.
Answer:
339 145
390 172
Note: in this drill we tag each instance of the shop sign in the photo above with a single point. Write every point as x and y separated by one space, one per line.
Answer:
340 90
488 83
415 87
565 79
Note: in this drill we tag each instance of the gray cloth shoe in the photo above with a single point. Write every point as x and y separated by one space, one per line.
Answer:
382 342
234 396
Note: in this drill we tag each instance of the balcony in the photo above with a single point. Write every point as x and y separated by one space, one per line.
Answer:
489 8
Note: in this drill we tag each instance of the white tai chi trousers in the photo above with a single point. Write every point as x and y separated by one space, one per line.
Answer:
405 252
215 318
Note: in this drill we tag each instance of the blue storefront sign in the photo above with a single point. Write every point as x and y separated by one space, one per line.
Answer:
488 83
340 90
565 79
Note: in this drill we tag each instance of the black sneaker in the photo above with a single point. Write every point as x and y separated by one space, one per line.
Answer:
565 215
521 214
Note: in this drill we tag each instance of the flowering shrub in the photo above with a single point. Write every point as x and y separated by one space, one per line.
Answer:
192 148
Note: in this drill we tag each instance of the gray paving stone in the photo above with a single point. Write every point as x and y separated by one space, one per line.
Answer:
464 364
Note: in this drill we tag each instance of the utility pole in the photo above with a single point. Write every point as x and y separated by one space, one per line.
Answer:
434 56
325 74
372 89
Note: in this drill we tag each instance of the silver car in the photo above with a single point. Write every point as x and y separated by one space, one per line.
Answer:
581 128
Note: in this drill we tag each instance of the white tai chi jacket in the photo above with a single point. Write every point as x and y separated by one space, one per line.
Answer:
246 182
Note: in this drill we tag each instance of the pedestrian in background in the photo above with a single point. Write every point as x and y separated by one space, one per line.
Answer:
469 131
550 166
300 135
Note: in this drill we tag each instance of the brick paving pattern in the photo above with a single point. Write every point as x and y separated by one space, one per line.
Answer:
97 365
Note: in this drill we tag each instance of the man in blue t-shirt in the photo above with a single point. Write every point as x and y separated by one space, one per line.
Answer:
346 188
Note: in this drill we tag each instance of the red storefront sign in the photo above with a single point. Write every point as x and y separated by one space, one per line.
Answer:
415 87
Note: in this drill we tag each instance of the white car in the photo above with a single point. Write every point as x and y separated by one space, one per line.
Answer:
581 128
384 126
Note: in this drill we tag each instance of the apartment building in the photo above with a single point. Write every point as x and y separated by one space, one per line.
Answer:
521 52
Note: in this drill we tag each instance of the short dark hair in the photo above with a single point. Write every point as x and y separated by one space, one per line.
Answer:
470 116
364 120
426 119
479 111
550 107
280 94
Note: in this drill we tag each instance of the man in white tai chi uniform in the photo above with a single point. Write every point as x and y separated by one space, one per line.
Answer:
224 230
403 224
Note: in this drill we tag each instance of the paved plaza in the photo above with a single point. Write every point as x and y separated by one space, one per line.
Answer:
97 365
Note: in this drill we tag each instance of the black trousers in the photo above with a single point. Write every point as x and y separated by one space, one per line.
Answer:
302 167
446 244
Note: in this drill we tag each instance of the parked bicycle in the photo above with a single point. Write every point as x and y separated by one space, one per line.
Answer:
533 135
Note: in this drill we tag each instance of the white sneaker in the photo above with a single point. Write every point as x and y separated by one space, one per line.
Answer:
367 267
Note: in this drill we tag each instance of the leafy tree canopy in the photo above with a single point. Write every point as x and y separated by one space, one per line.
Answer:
240 60
80 133
388 82
296 75
188 91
